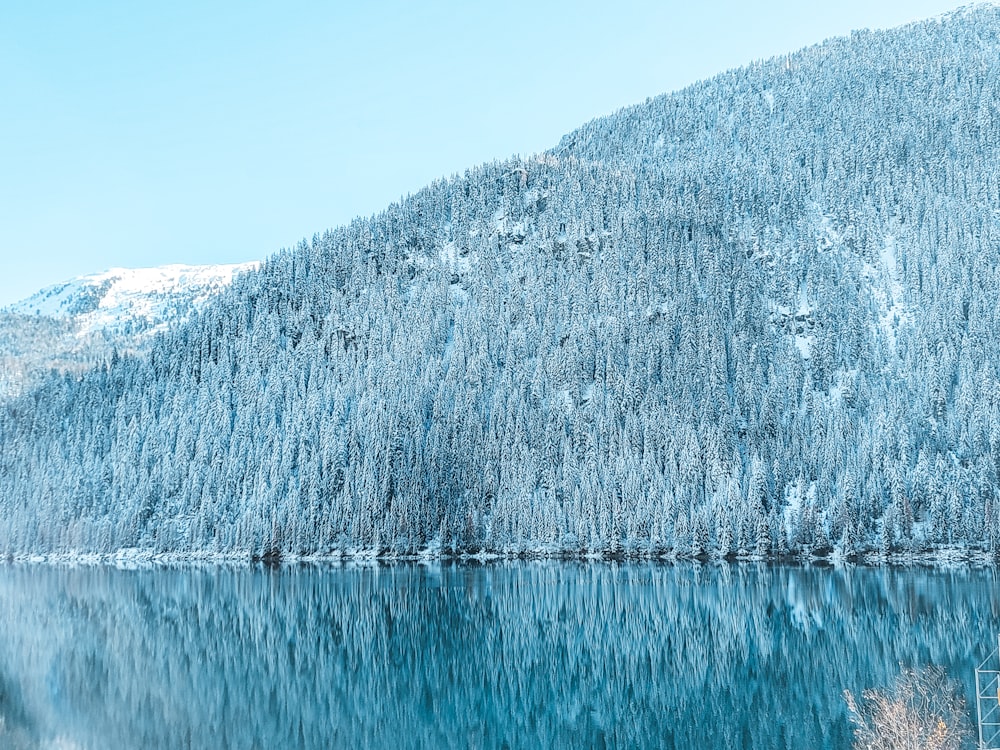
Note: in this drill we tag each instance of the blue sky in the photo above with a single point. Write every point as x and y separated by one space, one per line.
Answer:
137 134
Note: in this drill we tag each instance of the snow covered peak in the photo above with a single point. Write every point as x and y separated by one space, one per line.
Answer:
131 300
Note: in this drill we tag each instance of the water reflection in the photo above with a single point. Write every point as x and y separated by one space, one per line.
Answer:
525 655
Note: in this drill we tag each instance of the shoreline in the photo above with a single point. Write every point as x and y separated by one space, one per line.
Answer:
146 559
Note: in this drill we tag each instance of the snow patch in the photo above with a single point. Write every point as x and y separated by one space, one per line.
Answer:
119 299
797 494
828 237
888 291
804 307
846 384
805 345
451 259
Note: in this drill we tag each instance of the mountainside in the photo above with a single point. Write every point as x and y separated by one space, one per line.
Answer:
756 316
77 324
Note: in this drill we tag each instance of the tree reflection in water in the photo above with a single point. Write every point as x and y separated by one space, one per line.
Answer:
458 656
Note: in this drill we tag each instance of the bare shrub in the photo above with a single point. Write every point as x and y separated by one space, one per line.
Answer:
923 710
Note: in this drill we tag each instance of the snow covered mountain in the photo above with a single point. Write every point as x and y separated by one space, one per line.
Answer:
754 317
130 301
76 324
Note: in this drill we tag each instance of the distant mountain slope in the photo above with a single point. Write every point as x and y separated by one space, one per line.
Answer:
74 325
757 316
127 300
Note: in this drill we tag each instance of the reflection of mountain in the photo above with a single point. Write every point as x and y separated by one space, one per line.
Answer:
534 655
15 726
74 325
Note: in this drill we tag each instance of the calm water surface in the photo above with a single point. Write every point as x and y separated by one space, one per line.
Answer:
533 655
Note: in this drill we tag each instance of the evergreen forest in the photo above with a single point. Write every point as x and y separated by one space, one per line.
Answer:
756 317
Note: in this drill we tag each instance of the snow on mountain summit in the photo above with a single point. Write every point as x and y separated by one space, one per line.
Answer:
76 325
131 299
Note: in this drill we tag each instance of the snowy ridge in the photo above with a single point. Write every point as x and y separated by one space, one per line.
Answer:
76 325
965 11
124 300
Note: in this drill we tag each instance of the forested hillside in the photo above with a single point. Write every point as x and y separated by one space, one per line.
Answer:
757 316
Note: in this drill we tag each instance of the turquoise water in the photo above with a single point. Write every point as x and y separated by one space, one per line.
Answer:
530 655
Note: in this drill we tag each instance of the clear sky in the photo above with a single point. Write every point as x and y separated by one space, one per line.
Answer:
215 131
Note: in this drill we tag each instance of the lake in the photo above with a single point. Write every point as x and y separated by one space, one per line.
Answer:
506 655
